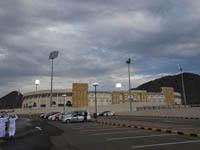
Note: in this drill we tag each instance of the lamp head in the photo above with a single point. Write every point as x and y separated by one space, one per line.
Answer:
180 68
118 85
37 82
53 55
95 84
128 61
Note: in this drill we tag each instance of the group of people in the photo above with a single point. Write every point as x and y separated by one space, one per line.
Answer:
7 124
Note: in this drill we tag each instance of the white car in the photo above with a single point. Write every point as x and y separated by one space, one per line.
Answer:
107 113
50 117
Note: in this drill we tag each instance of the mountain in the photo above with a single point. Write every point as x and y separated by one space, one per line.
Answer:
11 100
191 82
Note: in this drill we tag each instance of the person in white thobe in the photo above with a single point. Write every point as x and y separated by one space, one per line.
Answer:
12 126
3 120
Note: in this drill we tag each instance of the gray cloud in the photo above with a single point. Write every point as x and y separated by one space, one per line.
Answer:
94 38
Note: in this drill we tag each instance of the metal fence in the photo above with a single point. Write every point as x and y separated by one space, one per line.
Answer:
166 107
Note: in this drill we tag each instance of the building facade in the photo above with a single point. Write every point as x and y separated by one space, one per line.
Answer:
79 96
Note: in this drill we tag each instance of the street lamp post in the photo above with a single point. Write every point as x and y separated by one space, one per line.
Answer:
130 99
183 87
37 82
52 56
64 95
95 86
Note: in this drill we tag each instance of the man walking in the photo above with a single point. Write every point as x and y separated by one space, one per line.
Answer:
12 126
3 120
85 116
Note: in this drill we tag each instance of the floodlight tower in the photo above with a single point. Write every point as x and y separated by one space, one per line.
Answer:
37 82
53 55
130 97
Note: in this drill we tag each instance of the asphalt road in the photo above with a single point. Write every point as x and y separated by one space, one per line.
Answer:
89 136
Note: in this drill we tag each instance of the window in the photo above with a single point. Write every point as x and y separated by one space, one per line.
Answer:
69 94
42 105
69 103
53 103
34 104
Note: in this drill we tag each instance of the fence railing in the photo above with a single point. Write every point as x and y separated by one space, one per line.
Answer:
166 107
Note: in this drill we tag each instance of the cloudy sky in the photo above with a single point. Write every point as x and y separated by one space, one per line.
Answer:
94 39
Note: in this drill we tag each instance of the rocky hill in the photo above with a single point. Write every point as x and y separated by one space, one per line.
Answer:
11 100
191 82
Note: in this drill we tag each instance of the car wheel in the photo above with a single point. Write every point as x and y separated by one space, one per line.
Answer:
68 121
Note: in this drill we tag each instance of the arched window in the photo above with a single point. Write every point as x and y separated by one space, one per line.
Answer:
69 103
34 104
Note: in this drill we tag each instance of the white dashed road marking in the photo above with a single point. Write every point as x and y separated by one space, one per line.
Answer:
119 132
163 144
94 128
105 129
136 137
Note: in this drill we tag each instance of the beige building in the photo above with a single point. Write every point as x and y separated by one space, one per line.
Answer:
79 96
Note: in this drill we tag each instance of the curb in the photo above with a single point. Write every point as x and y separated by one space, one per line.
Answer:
149 128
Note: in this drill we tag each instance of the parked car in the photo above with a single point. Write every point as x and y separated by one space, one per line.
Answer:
76 116
64 115
42 115
56 116
46 116
107 113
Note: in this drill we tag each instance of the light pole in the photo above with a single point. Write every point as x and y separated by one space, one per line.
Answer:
130 97
52 56
64 95
118 87
95 86
37 82
183 87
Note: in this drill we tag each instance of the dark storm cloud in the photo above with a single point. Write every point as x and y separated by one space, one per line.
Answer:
94 39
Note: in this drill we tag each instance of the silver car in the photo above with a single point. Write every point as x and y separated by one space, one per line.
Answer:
76 116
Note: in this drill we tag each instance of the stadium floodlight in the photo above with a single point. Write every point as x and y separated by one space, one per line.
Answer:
37 82
130 97
183 87
95 86
53 55
118 85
